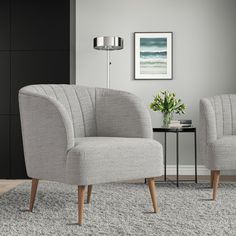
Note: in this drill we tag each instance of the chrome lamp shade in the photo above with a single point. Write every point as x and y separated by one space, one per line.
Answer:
110 43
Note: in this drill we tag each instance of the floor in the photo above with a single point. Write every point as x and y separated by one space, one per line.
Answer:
6 185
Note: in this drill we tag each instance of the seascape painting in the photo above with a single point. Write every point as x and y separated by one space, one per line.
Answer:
153 55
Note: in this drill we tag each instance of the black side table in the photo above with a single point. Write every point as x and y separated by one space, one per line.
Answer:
177 131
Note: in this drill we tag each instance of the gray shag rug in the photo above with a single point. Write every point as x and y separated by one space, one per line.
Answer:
120 209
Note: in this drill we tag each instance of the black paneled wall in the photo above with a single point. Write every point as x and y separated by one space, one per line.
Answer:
34 48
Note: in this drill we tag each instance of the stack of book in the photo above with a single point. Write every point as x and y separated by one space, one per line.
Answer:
180 123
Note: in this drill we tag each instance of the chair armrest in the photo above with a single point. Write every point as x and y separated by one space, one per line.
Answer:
48 134
208 133
208 120
121 114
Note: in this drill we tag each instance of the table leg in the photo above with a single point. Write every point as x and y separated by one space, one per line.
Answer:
177 159
195 147
165 158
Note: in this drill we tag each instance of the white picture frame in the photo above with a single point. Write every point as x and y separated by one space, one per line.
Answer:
153 53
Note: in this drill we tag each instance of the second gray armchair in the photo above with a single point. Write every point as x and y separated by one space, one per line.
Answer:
218 135
85 136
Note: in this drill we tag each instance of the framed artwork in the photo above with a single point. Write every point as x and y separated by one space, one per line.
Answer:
153 55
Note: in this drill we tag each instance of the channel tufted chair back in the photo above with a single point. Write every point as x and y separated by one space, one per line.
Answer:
224 110
95 111
85 136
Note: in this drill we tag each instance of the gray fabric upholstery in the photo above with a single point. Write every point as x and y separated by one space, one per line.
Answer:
80 135
218 132
109 159
121 114
223 153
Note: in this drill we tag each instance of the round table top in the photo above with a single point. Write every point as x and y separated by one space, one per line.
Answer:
182 129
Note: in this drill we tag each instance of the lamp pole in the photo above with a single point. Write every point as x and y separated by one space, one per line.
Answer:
108 69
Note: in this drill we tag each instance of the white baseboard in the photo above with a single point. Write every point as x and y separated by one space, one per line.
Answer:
190 170
187 170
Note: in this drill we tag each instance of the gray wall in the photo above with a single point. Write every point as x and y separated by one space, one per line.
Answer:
204 50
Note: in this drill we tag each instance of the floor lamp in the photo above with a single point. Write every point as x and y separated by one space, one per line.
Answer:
108 43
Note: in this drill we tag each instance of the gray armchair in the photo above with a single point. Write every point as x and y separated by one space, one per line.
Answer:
85 136
218 135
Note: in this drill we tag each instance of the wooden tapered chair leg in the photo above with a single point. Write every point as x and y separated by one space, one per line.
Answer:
152 188
81 191
34 187
89 193
212 177
216 178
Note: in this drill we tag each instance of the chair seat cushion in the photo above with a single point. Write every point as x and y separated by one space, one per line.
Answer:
223 153
110 159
